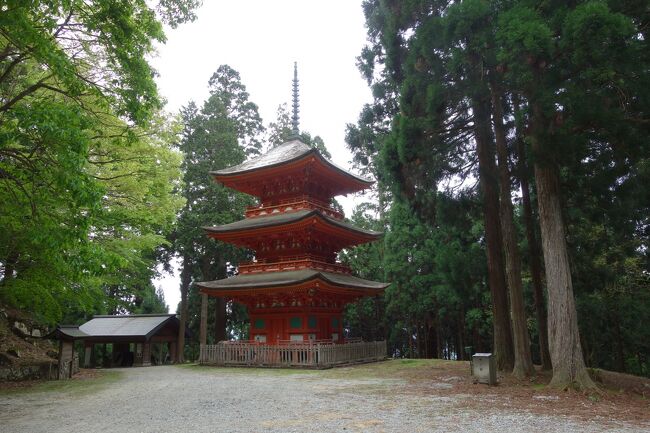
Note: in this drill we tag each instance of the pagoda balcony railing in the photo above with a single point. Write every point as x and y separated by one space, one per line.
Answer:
300 354
292 264
291 205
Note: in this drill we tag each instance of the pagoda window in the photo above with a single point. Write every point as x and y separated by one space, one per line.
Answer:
259 324
295 322
296 337
312 322
335 322
260 338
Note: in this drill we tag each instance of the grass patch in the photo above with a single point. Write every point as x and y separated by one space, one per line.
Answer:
75 387
391 368
255 371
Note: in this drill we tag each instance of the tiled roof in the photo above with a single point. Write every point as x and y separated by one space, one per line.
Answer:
137 325
286 152
282 219
287 278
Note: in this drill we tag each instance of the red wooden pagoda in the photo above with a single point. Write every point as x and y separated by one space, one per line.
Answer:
294 289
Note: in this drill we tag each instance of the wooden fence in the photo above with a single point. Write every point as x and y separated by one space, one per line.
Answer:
305 355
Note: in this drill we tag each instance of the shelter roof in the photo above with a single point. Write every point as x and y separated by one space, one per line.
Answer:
135 325
286 219
287 153
290 278
67 332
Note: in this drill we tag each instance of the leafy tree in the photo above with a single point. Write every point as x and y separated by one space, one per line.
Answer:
78 48
223 133
565 85
577 59
86 193
367 317
280 132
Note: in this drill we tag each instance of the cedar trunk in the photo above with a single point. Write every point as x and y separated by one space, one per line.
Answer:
219 320
211 271
564 336
535 262
523 360
496 276
186 279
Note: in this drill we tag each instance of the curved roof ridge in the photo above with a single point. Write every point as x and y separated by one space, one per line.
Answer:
284 278
285 218
289 151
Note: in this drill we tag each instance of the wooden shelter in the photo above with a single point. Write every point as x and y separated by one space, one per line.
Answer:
133 338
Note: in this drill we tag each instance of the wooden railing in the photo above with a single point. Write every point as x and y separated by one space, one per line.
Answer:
292 205
292 264
311 355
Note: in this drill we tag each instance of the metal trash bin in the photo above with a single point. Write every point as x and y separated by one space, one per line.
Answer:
484 368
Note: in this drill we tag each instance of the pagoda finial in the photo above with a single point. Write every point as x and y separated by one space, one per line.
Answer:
295 131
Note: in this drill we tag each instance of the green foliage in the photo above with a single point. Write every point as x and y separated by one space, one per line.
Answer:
583 67
87 195
280 132
223 133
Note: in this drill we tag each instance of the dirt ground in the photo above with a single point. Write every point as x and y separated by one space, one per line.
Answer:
392 396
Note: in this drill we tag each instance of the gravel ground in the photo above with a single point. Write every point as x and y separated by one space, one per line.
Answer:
206 399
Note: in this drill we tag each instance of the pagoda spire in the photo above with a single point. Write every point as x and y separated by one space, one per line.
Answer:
295 130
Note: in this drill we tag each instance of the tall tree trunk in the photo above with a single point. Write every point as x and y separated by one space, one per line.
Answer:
523 360
620 354
425 345
564 336
186 279
410 336
461 334
439 350
220 320
211 272
496 276
534 251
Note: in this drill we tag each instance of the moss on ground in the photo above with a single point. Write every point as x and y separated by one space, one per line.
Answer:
392 368
257 371
73 387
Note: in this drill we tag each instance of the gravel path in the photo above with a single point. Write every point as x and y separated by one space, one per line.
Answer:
205 399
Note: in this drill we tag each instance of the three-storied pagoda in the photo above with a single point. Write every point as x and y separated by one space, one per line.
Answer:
294 290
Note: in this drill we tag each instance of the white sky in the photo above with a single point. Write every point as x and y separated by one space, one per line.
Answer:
261 40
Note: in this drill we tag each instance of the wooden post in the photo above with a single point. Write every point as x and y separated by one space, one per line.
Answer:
172 352
203 329
137 356
146 354
88 352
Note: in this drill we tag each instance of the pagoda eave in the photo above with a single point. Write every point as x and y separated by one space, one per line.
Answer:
243 232
293 158
288 281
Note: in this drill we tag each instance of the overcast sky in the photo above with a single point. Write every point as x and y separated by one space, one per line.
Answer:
261 40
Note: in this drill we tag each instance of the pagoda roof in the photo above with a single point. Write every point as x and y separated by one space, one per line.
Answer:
290 278
283 219
289 153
